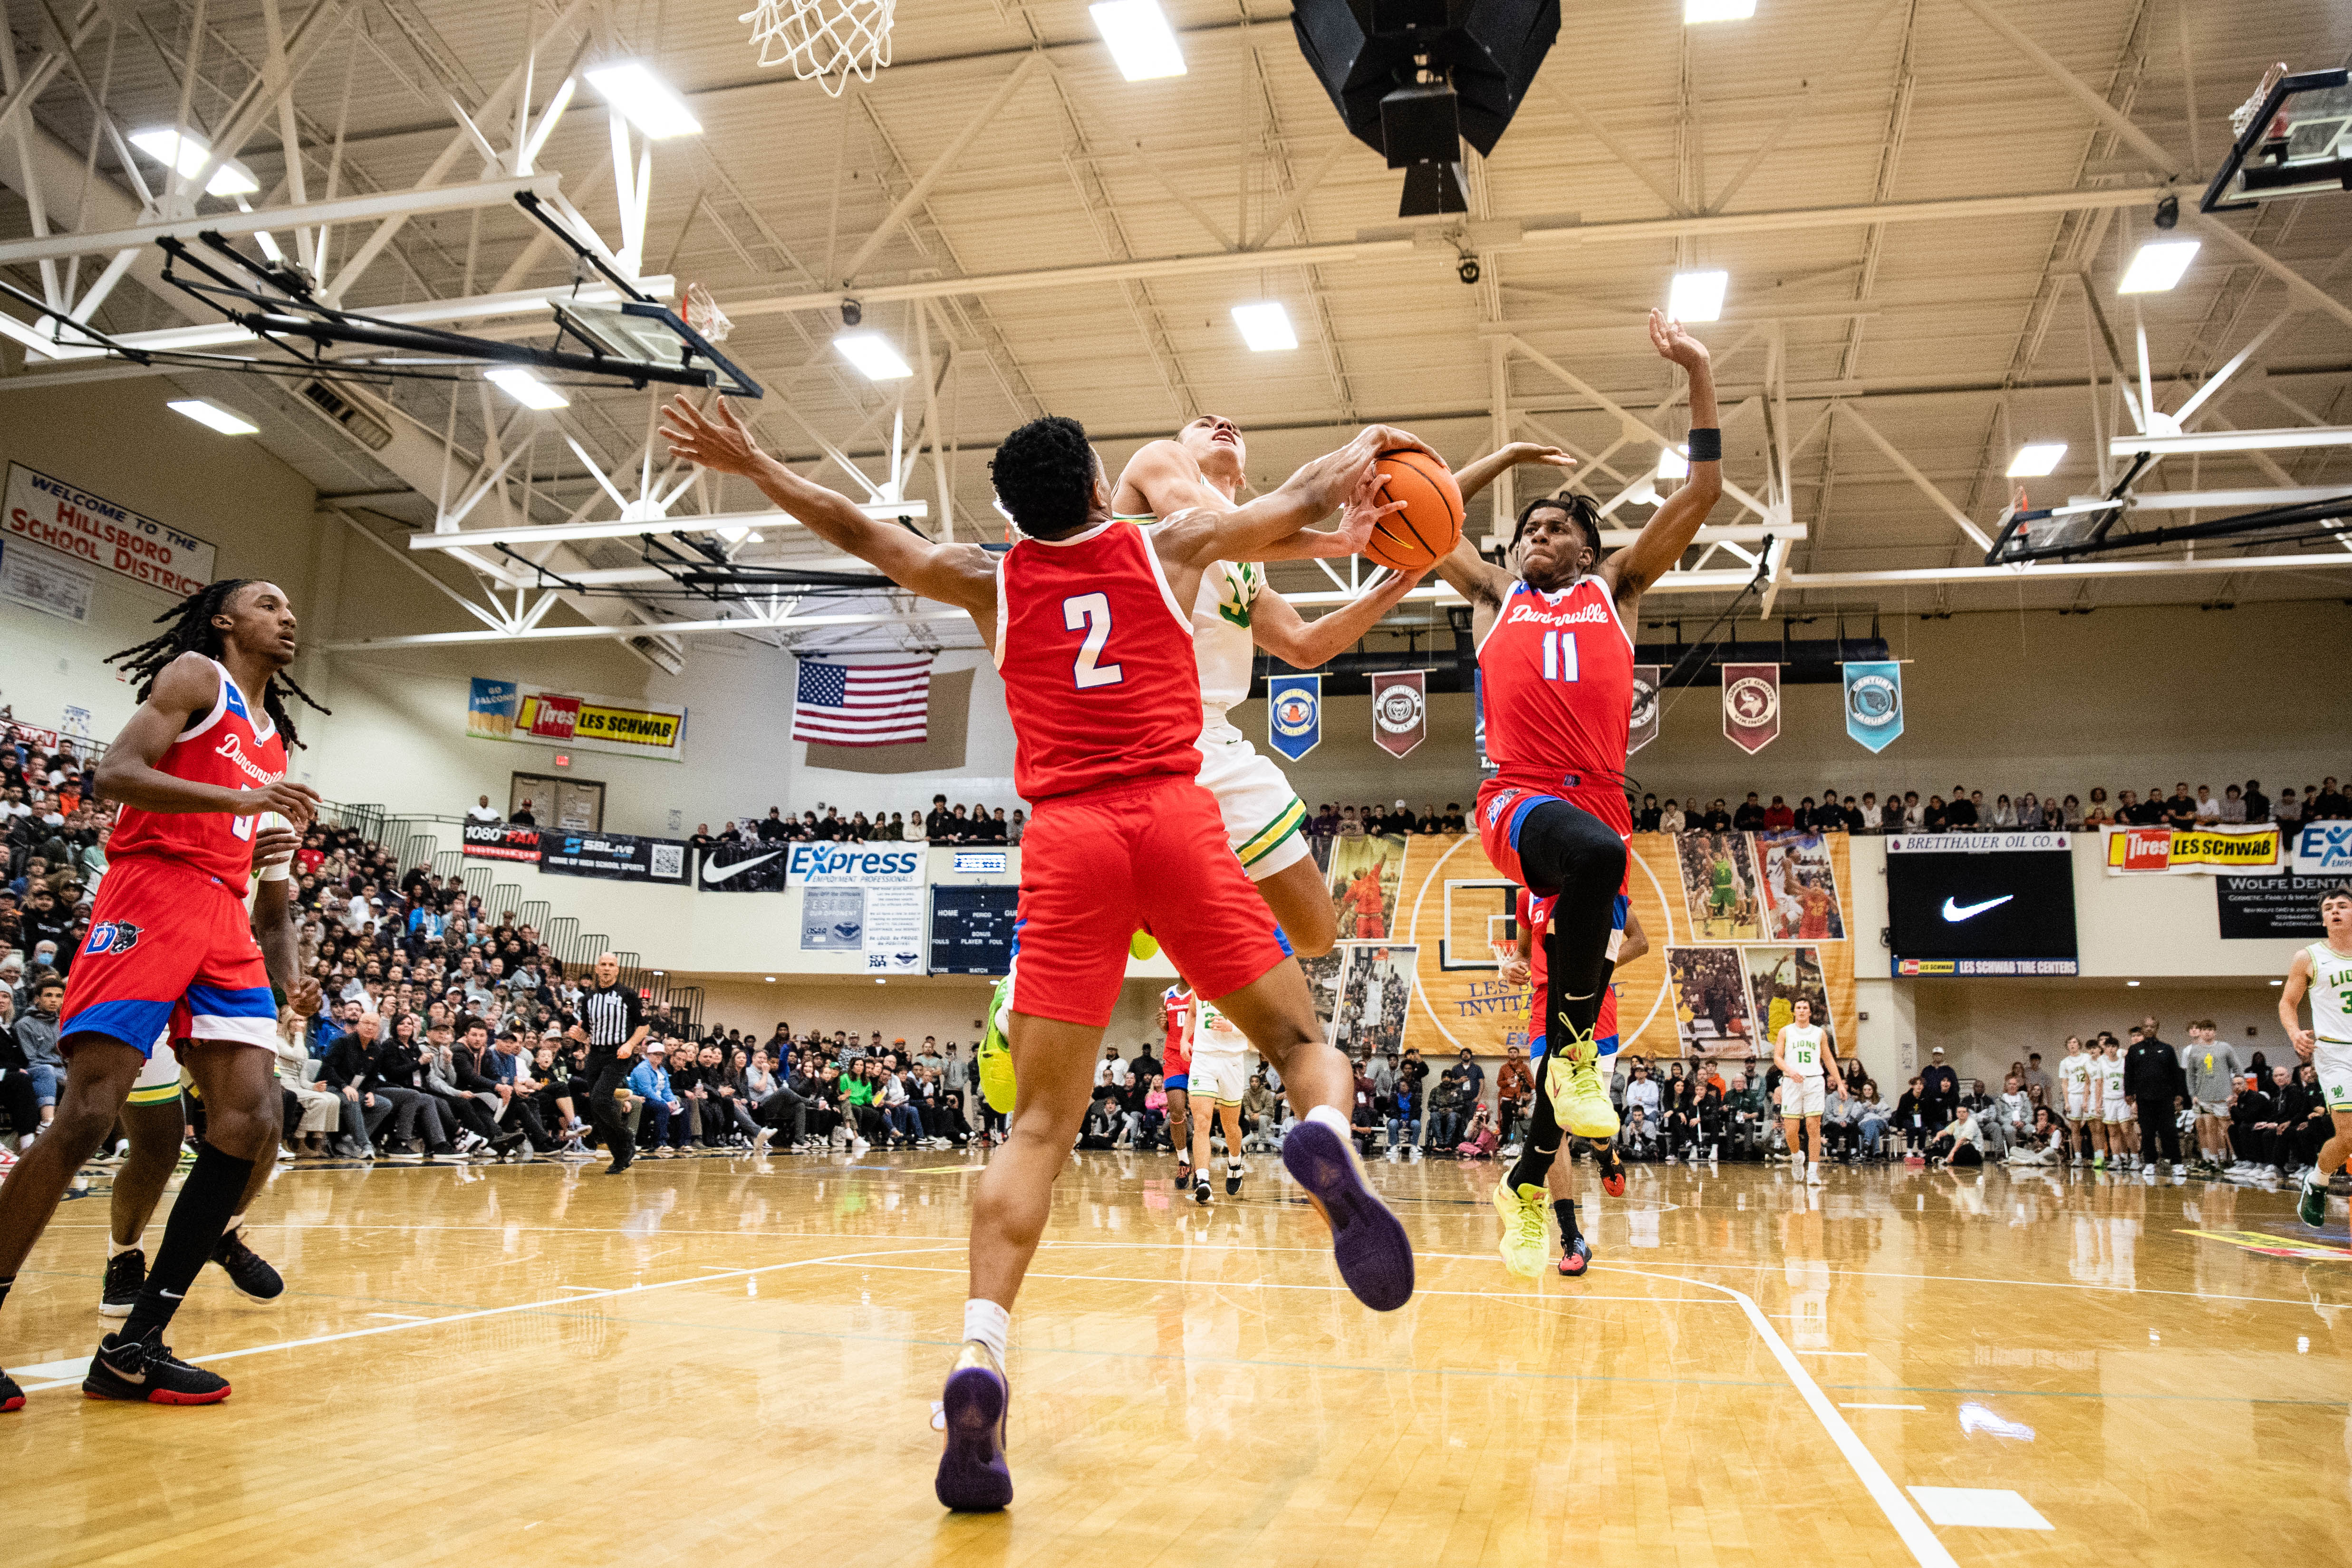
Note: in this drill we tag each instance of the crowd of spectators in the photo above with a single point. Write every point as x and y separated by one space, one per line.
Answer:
943 824
1966 810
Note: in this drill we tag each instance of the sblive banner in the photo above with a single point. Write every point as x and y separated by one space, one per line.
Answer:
2194 852
1645 708
614 856
1294 713
1874 702
1751 706
1400 710
2324 849
519 710
96 531
499 841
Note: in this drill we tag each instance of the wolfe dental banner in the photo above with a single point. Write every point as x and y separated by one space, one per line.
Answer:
519 710
89 529
2194 852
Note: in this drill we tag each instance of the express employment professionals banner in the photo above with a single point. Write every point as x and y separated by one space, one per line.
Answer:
98 532
519 710
619 857
501 842
2194 852
2324 849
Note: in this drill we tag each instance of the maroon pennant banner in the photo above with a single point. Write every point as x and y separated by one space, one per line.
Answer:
1400 710
1644 729
1751 706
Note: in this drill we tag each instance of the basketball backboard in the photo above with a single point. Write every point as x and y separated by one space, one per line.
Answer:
2294 139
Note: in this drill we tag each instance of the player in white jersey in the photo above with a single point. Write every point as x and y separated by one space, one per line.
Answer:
2074 1097
2324 972
1236 613
1801 1051
1221 1077
2115 1107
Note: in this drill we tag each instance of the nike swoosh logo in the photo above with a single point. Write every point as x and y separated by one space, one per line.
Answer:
138 1376
1957 913
709 876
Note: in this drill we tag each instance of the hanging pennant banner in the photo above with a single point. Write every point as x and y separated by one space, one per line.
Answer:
1645 708
1400 710
1751 706
1874 702
1294 713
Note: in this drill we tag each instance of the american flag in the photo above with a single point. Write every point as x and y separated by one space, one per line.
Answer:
862 704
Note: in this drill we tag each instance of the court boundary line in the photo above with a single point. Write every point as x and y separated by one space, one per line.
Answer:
1895 1503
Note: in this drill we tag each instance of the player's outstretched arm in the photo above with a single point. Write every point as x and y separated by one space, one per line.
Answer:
1671 528
1476 477
1472 576
960 575
1252 532
1306 644
187 686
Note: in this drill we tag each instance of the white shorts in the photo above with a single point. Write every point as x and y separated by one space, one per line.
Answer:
1802 1096
1220 1077
2115 1112
2334 1061
2078 1110
158 1082
1266 822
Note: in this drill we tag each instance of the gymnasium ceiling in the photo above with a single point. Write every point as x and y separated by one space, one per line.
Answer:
1938 341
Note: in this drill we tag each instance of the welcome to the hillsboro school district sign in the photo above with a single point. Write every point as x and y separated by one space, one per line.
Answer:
97 532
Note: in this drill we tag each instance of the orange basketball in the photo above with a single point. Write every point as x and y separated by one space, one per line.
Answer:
1432 519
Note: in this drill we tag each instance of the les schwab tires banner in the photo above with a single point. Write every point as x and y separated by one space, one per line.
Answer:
2193 851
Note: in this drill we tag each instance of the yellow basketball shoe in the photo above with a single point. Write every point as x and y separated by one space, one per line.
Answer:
1525 1245
1579 1101
995 1055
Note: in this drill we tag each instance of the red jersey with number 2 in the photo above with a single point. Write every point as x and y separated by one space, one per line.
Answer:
224 747
1096 656
1556 674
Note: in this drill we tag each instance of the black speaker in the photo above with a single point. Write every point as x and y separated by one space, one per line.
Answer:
1487 50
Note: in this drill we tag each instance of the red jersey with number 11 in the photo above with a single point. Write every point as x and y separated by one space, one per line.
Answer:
1096 656
224 747
1555 677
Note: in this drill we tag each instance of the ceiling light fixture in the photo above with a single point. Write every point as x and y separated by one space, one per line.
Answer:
187 154
2157 266
2036 459
1697 296
871 352
213 416
1265 327
648 102
1140 38
525 388
1718 10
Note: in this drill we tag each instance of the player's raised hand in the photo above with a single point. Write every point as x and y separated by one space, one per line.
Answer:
1673 343
1539 455
1389 438
718 441
1366 505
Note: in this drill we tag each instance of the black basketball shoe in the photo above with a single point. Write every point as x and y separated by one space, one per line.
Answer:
255 1280
11 1397
144 1371
126 1272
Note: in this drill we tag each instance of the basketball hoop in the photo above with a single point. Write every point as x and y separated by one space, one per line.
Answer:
828 39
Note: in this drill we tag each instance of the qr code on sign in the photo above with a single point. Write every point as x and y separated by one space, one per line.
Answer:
669 862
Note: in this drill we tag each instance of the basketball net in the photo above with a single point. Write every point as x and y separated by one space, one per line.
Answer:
828 39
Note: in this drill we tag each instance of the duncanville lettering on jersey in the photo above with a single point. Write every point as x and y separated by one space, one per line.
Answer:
233 750
1596 614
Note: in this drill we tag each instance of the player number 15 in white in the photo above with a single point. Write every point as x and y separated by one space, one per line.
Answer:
1091 611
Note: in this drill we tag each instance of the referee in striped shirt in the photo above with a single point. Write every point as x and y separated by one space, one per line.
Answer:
612 1027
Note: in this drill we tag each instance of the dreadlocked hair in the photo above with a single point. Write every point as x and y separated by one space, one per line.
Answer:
1580 509
192 631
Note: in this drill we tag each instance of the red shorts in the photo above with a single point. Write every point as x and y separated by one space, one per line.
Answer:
1151 855
169 955
1502 810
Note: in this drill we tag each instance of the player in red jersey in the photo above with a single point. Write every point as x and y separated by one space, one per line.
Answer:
1176 1007
1555 677
170 953
1086 615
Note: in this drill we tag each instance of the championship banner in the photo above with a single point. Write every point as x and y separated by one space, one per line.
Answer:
498 841
1294 713
1751 706
518 710
2194 852
616 857
1645 708
94 531
1873 704
2324 849
1400 710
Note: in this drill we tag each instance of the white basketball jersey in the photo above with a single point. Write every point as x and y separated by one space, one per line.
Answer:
2074 1076
2331 994
1215 1034
1221 633
1801 1045
2111 1080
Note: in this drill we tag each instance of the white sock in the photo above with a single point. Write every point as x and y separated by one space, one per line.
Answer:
988 1324
117 1249
1329 1116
